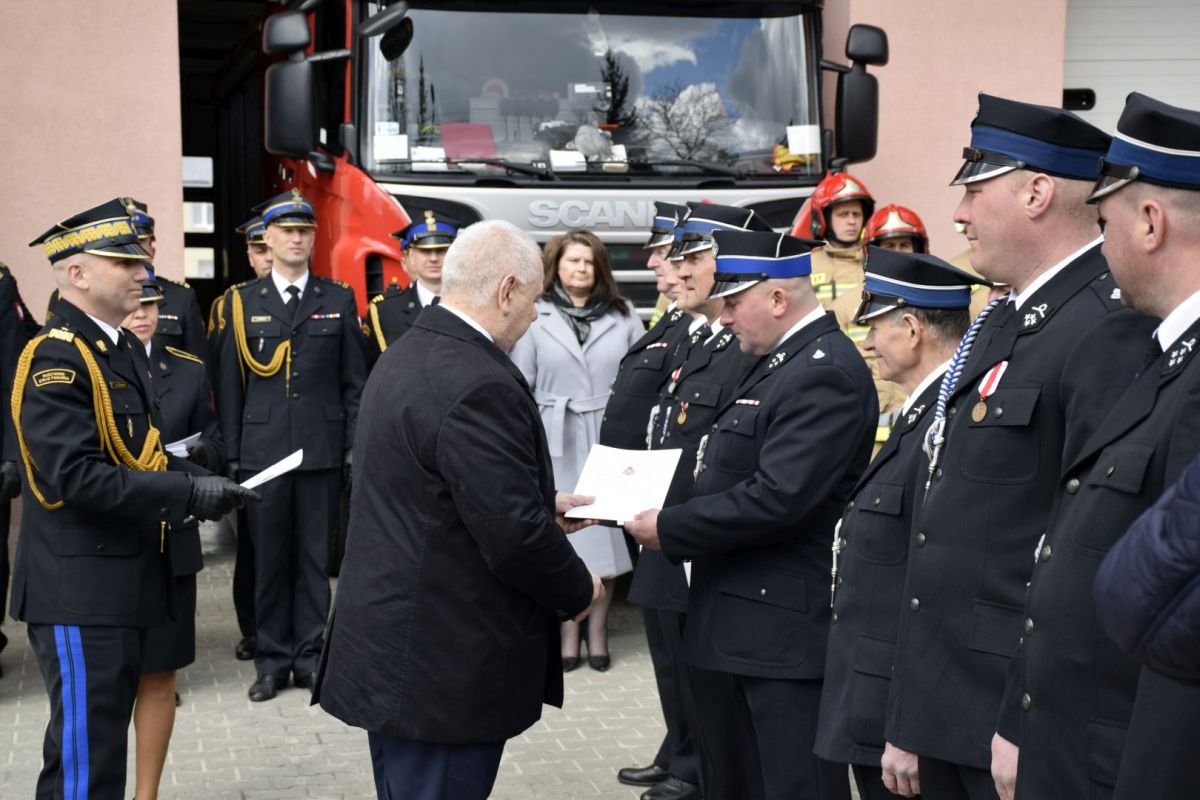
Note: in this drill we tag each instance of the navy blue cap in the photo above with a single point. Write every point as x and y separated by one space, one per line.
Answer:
1155 143
288 210
745 258
151 290
428 234
142 221
895 280
104 230
694 232
662 230
1008 135
253 230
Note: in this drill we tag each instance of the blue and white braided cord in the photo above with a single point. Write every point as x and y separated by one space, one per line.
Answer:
935 437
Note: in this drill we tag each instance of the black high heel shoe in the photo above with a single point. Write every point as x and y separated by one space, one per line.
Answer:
570 662
599 663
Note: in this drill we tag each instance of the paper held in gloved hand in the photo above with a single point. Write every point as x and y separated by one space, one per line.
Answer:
281 467
179 448
624 482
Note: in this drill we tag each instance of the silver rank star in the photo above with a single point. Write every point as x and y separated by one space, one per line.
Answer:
1178 354
1030 319
819 354
776 360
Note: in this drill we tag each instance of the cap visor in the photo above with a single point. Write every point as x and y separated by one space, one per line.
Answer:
1106 186
973 171
293 222
132 250
658 240
872 308
726 288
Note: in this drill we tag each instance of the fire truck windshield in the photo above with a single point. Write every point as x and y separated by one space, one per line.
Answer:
592 96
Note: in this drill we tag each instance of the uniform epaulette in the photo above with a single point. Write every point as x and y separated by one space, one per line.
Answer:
377 298
1107 290
61 334
175 351
334 281
184 284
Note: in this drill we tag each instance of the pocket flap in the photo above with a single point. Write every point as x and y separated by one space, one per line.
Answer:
71 541
995 628
333 411
881 498
257 413
651 359
126 401
322 327
739 419
264 330
169 327
772 588
874 656
1122 467
1011 406
702 394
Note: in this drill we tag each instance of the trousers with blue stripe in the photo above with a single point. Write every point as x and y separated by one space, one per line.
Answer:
91 675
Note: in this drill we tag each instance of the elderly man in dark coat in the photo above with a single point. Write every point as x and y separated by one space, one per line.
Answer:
444 639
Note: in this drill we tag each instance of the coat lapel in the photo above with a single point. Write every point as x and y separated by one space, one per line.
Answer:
794 344
557 329
904 426
270 301
311 301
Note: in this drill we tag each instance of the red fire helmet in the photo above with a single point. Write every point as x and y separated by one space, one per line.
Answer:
893 221
834 188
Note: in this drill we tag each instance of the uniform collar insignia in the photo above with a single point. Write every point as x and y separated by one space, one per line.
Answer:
776 360
101 346
914 414
1116 294
675 315
1034 316
724 341
1180 354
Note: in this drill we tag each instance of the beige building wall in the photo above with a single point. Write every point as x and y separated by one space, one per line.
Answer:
943 53
89 110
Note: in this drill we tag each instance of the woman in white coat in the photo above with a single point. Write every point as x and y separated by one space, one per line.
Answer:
570 356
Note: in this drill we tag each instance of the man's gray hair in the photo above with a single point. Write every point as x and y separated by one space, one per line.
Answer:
482 254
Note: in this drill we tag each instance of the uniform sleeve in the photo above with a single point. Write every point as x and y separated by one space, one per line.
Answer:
59 427
353 366
371 334
204 419
809 445
12 341
230 391
490 463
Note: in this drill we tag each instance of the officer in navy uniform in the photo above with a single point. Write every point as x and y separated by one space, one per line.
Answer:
392 313
17 326
996 447
93 569
916 310
772 476
699 380
1074 690
259 257
291 371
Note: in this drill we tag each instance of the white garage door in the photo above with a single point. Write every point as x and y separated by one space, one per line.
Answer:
1115 47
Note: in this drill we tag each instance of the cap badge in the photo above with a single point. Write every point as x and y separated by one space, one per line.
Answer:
430 222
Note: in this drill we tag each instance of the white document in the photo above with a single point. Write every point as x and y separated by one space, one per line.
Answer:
179 449
390 147
567 161
281 467
429 159
624 482
804 140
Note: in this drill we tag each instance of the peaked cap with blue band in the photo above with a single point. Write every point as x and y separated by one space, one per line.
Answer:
1008 135
662 230
288 210
253 230
1155 143
694 233
897 280
139 213
105 230
745 258
428 234
151 289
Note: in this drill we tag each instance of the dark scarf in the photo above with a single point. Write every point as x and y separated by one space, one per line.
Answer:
579 318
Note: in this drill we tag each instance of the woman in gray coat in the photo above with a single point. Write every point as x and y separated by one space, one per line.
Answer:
569 357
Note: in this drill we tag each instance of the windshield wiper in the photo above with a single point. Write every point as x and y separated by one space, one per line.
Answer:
703 166
524 169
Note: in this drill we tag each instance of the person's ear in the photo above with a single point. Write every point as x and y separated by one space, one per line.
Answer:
913 330
504 293
1151 225
1037 194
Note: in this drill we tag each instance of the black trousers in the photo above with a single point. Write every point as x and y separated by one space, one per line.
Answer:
5 567
91 675
870 783
678 753
408 770
757 737
943 780
290 527
243 576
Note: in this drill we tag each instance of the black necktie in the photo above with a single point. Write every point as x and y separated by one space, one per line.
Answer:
293 301
436 299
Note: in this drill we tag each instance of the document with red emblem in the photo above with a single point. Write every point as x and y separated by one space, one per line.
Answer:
624 482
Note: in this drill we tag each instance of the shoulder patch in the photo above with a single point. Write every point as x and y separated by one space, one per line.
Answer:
184 354
1107 290
60 334
377 299
334 281
184 284
49 376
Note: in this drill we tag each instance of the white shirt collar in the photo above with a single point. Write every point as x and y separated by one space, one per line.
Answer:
425 295
465 318
935 374
811 317
696 324
281 284
717 327
1178 321
149 344
114 334
1041 280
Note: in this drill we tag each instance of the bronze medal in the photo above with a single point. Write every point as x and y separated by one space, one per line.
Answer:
979 411
682 418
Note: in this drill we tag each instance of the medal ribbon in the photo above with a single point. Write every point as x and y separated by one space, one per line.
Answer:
990 381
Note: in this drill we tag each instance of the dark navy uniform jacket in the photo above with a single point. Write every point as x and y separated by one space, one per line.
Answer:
99 558
866 612
778 466
389 317
17 326
314 405
180 322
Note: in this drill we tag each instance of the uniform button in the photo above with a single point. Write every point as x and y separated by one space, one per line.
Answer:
875 502
100 547
952 410
1026 702
295 395
921 539
850 504
914 604
1073 486
695 395
1028 626
735 422
1108 472
162 512
834 620
762 592
939 472
611 392
714 427
295 374
1045 553
998 413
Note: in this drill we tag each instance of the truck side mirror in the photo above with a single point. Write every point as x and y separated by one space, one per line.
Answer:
285 33
291 118
856 111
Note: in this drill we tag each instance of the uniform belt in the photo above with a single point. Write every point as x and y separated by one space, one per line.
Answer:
559 405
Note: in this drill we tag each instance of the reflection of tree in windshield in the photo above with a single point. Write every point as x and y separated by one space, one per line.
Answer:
683 122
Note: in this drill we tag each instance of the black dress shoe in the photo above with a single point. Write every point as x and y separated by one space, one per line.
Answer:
265 688
599 663
570 663
245 649
178 702
303 680
673 789
643 776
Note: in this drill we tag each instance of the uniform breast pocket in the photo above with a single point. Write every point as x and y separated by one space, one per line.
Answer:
1121 468
701 399
651 359
99 570
737 447
169 326
1003 444
322 327
879 535
126 401
264 330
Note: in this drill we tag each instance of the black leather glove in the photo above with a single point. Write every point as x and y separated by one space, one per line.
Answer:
198 454
213 497
10 480
231 469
